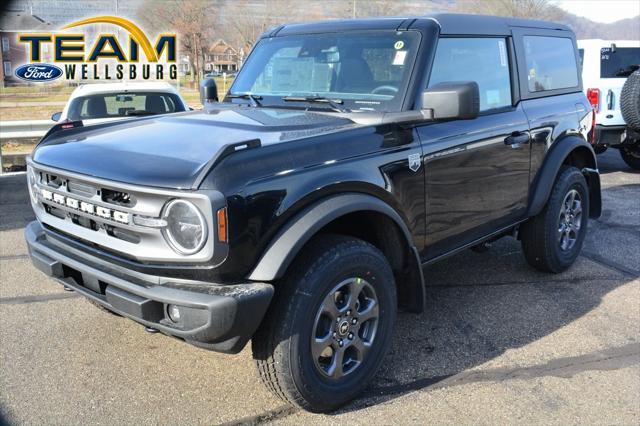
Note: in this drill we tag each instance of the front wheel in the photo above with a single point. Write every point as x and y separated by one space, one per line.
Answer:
330 324
552 240
631 156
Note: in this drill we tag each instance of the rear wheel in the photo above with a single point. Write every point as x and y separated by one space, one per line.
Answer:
631 156
552 240
330 324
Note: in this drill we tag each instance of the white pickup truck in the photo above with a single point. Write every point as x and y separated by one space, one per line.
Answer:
606 66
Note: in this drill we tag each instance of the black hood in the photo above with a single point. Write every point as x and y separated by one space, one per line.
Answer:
170 151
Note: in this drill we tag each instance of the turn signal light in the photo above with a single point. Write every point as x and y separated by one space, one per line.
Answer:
222 225
593 95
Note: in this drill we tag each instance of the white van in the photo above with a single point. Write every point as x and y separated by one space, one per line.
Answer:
606 64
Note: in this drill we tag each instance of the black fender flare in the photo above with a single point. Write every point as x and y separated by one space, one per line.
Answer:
546 175
288 242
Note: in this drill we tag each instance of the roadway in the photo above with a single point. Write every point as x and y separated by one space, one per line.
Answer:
499 343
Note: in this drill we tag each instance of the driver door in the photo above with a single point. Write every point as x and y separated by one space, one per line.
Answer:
476 171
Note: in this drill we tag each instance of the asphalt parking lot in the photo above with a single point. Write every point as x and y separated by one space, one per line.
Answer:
499 343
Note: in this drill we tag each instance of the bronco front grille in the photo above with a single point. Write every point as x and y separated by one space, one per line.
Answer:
118 217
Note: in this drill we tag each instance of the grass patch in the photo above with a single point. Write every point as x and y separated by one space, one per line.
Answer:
28 113
19 146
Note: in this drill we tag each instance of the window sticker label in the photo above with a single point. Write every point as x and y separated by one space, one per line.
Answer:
399 45
503 53
400 57
492 97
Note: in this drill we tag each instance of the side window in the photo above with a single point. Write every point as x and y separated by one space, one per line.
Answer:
551 63
483 60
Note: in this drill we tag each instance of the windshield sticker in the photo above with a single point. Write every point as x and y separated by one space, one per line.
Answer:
400 57
399 45
503 53
300 75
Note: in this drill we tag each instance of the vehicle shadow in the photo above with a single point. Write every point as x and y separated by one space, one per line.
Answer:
610 161
15 208
479 307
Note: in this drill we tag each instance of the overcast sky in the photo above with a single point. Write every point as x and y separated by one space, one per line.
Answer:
602 10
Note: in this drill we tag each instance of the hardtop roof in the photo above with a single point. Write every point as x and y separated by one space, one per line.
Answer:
449 23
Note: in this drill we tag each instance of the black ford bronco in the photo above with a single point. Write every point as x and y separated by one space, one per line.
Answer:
300 210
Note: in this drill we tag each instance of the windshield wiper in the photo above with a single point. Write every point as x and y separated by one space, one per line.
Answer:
254 100
334 103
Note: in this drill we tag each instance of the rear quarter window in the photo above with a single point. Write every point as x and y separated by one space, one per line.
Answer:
551 63
618 62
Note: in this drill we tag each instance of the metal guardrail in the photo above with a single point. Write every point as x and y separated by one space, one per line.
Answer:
16 130
24 129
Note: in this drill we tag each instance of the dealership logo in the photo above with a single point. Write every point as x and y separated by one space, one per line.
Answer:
102 57
38 72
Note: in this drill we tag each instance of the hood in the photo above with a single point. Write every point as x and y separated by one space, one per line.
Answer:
171 151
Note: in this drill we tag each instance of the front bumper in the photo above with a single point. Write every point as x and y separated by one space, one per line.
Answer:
217 317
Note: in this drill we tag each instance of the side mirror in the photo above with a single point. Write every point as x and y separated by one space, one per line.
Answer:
452 100
208 91
56 116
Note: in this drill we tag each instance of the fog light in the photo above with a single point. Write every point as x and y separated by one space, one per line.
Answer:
174 313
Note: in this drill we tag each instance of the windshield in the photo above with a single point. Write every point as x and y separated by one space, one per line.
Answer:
113 105
364 70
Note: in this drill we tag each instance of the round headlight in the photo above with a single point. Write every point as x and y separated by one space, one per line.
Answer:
186 229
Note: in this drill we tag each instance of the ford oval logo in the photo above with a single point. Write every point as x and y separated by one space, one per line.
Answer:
38 72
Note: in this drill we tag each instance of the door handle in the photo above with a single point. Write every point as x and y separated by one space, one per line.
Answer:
517 138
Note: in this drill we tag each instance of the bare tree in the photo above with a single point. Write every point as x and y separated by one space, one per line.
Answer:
190 19
536 9
246 20
366 8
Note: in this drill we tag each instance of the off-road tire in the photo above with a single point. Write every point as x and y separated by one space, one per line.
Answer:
631 155
539 235
282 344
630 101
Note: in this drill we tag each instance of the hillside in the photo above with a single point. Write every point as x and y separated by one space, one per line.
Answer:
626 29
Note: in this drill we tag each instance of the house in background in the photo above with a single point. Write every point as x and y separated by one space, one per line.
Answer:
223 57
184 65
12 53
